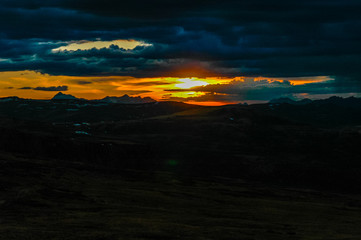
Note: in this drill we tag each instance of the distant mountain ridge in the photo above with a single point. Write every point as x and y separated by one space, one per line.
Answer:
9 99
334 111
350 102
62 96
290 101
125 99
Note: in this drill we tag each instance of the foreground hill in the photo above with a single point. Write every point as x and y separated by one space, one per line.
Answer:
249 142
70 110
176 171
331 112
47 199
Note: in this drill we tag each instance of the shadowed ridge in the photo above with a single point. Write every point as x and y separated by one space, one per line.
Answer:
127 99
290 101
62 96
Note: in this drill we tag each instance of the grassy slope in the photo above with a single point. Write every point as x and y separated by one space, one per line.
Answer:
47 199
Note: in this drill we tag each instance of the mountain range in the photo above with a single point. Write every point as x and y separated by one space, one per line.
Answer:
125 99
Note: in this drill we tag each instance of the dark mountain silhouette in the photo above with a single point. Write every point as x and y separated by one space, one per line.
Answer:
127 99
290 101
9 99
350 102
62 96
330 112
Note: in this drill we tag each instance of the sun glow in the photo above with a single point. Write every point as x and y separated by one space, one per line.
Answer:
189 83
31 84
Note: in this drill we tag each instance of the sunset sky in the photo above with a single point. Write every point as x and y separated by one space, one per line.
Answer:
203 52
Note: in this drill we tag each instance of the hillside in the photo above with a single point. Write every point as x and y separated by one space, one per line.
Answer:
177 171
43 199
77 110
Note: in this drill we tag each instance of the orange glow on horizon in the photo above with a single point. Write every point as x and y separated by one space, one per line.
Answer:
189 83
24 83
210 103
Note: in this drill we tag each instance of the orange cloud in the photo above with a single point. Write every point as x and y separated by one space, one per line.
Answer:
25 84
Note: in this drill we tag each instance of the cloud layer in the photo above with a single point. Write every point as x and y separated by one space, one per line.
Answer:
261 90
49 89
195 38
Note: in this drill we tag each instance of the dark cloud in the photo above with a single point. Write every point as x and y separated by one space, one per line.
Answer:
53 88
230 38
81 82
249 89
148 83
50 89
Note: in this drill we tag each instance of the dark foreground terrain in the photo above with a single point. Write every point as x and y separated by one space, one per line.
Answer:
56 200
75 170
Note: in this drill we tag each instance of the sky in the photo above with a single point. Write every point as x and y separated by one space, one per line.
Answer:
195 51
